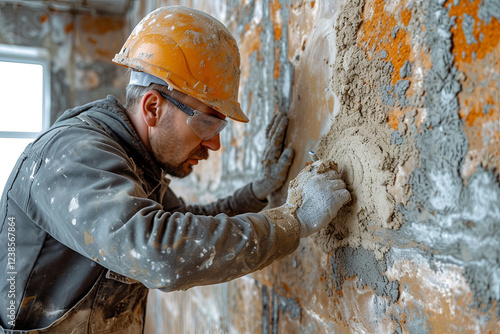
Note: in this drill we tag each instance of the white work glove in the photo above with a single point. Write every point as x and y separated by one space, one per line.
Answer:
316 195
276 161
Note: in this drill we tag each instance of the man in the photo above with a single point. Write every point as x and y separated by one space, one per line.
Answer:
90 221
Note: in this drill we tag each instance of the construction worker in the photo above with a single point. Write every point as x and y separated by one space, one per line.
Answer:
88 221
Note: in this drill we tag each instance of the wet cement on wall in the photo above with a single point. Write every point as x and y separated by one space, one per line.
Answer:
360 140
403 95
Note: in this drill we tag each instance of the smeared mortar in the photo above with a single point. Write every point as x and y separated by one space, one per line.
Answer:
360 141
359 262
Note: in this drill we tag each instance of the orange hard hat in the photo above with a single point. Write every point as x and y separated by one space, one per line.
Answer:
192 52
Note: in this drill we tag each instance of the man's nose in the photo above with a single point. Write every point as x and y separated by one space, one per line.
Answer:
212 143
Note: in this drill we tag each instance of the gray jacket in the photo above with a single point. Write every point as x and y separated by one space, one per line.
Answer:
88 224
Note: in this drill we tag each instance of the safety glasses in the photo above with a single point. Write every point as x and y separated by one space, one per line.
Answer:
205 126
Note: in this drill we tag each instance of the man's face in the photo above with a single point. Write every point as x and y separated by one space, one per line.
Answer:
174 144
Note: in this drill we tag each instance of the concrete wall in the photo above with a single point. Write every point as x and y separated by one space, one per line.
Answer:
404 96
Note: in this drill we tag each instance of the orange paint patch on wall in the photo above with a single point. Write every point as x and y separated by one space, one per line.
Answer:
277 65
479 100
288 276
101 25
92 40
275 7
477 114
69 28
406 16
376 32
98 38
44 18
393 118
443 296
487 36
250 43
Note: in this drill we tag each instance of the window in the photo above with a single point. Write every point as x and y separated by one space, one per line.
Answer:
24 101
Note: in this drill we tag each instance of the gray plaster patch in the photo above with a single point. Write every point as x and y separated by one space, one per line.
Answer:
383 54
414 318
397 139
489 9
461 220
400 89
394 32
265 310
417 322
289 306
487 108
405 70
468 29
388 95
361 263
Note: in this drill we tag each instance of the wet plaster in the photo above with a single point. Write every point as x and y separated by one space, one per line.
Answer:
443 203
401 95
361 263
359 140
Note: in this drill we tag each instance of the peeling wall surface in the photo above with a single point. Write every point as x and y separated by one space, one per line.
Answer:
404 95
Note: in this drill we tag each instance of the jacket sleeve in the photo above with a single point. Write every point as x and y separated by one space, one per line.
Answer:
242 201
87 195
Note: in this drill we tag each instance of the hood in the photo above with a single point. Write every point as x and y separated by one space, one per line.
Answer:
110 114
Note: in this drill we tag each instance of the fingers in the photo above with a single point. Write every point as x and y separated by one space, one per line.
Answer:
336 184
271 125
286 157
344 196
278 131
276 137
275 122
278 172
340 198
331 175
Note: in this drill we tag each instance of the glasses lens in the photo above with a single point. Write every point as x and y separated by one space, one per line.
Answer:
206 126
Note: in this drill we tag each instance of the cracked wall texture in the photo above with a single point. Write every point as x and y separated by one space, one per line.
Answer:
403 95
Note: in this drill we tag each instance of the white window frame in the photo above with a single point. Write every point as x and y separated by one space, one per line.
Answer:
30 55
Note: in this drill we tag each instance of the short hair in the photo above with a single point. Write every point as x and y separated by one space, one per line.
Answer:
134 94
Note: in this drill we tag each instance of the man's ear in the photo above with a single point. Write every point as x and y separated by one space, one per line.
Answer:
150 107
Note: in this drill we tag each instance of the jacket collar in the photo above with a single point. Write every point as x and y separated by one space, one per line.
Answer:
112 116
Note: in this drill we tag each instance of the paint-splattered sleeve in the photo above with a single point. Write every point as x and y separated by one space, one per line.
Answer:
242 201
87 195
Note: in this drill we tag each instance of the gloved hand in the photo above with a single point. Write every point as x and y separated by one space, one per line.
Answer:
276 161
316 195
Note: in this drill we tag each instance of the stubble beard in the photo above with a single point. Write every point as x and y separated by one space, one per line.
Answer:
162 150
185 168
